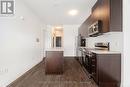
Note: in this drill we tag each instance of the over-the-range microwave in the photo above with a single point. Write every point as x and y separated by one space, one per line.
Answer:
95 29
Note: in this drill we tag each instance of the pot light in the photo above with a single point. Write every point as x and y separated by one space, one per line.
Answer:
73 12
58 27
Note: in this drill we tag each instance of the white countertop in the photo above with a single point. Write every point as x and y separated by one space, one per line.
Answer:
101 51
105 52
54 49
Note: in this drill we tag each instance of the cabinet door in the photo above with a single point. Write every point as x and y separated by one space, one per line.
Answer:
116 15
79 30
83 30
87 24
105 14
94 68
101 11
109 70
96 14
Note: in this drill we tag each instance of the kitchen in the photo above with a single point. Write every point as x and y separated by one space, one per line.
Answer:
96 46
82 50
97 54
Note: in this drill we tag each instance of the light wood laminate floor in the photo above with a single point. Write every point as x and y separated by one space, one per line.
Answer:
73 76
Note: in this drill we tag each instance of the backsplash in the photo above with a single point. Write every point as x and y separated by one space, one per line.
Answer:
115 39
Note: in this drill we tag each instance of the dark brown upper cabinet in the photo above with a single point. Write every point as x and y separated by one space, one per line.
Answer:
116 15
83 29
100 11
110 13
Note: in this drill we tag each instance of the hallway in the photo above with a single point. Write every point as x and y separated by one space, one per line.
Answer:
73 76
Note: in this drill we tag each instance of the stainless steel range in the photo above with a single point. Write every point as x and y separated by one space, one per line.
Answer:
102 46
88 58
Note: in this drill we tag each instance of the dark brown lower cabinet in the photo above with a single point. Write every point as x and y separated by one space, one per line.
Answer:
106 70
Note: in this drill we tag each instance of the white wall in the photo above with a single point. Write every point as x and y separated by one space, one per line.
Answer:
70 35
48 37
19 50
126 28
69 39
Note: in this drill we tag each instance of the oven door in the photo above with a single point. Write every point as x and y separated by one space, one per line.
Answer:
80 56
88 63
84 58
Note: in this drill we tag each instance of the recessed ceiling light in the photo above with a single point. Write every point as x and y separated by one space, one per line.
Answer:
73 12
58 27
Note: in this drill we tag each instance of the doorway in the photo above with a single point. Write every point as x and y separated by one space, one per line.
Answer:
57 37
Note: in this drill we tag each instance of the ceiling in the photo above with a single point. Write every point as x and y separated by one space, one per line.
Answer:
55 12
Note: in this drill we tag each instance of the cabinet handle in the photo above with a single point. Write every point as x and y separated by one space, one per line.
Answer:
93 60
93 73
93 65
